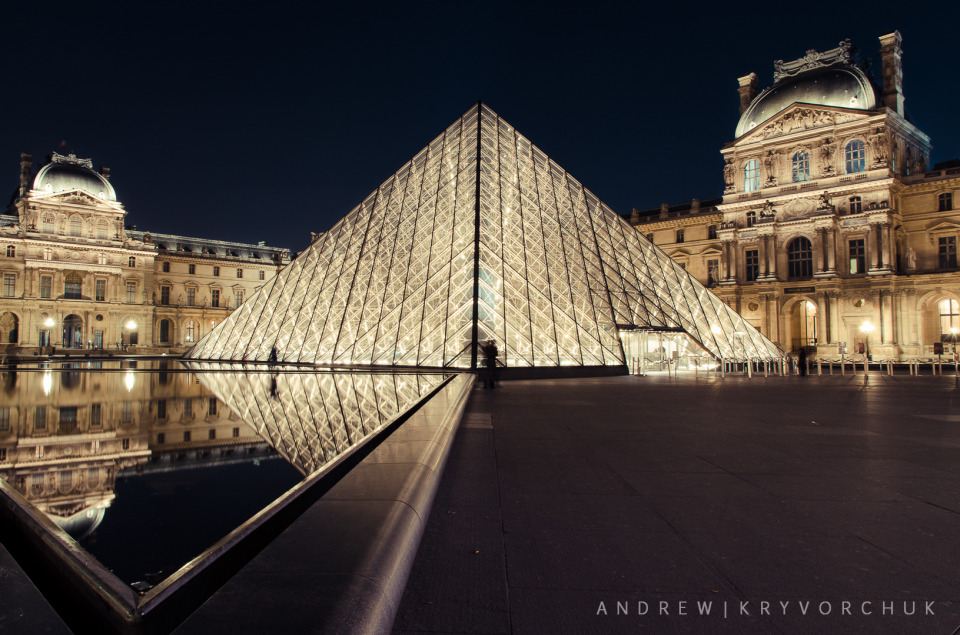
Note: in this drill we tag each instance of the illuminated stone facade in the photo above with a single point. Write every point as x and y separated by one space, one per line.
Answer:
832 222
73 276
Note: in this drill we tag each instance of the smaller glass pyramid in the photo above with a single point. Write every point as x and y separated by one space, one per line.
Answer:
479 237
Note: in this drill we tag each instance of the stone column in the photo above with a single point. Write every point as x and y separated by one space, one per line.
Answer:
772 256
762 255
834 300
886 304
911 317
832 250
724 260
885 244
879 325
872 246
822 331
818 252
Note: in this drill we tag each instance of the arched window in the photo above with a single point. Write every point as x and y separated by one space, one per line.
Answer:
188 329
49 224
949 317
76 226
102 229
801 167
855 157
72 285
751 176
799 258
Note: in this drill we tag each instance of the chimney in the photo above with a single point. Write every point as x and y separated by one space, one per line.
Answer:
26 172
748 90
890 54
105 172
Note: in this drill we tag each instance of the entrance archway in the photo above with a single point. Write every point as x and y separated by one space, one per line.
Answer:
803 321
9 328
73 331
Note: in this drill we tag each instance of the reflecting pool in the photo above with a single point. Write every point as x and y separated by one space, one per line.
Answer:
148 464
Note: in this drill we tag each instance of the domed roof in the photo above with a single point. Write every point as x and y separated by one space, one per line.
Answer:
67 173
842 86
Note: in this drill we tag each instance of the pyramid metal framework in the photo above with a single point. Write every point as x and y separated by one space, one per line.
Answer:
479 237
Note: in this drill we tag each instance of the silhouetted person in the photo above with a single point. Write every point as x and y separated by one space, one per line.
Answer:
802 361
490 354
273 356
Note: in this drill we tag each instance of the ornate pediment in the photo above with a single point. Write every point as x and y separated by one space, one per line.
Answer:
800 117
813 59
77 197
944 226
797 208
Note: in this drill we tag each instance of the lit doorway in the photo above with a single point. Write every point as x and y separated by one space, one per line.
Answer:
73 331
804 324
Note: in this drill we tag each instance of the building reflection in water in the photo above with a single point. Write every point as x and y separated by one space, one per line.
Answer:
70 431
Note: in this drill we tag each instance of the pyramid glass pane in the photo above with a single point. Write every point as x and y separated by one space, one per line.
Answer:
480 236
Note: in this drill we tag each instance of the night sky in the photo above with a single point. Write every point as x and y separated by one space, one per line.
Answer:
262 121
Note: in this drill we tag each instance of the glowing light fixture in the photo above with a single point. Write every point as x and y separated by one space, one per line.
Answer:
47 383
867 327
131 325
48 322
128 380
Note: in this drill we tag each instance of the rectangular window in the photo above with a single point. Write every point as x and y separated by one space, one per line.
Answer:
3 454
239 296
215 297
46 285
132 262
752 261
126 412
679 235
751 219
186 435
131 292
47 253
4 419
191 296
125 444
161 409
187 407
95 415
213 406
239 273
40 421
9 285
72 286
212 434
166 267
856 205
164 295
101 290
11 251
191 269
948 252
216 271
263 275
161 438
236 432
945 200
712 232
858 257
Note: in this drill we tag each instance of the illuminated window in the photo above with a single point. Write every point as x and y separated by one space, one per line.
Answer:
949 316
102 230
11 251
47 253
856 205
801 166
72 286
855 157
131 292
46 286
713 272
945 200
101 259
799 258
188 329
751 176
76 227
858 258
751 259
101 290
948 251
9 285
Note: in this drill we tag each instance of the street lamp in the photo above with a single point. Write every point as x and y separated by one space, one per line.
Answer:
866 328
130 326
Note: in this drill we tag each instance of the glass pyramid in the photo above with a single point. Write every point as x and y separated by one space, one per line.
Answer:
480 236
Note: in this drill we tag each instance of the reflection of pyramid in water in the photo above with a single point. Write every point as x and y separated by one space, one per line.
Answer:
480 236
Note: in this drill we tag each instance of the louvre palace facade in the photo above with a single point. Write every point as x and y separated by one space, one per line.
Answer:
833 228
75 276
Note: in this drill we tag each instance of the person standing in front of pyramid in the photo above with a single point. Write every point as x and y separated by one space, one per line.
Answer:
490 354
